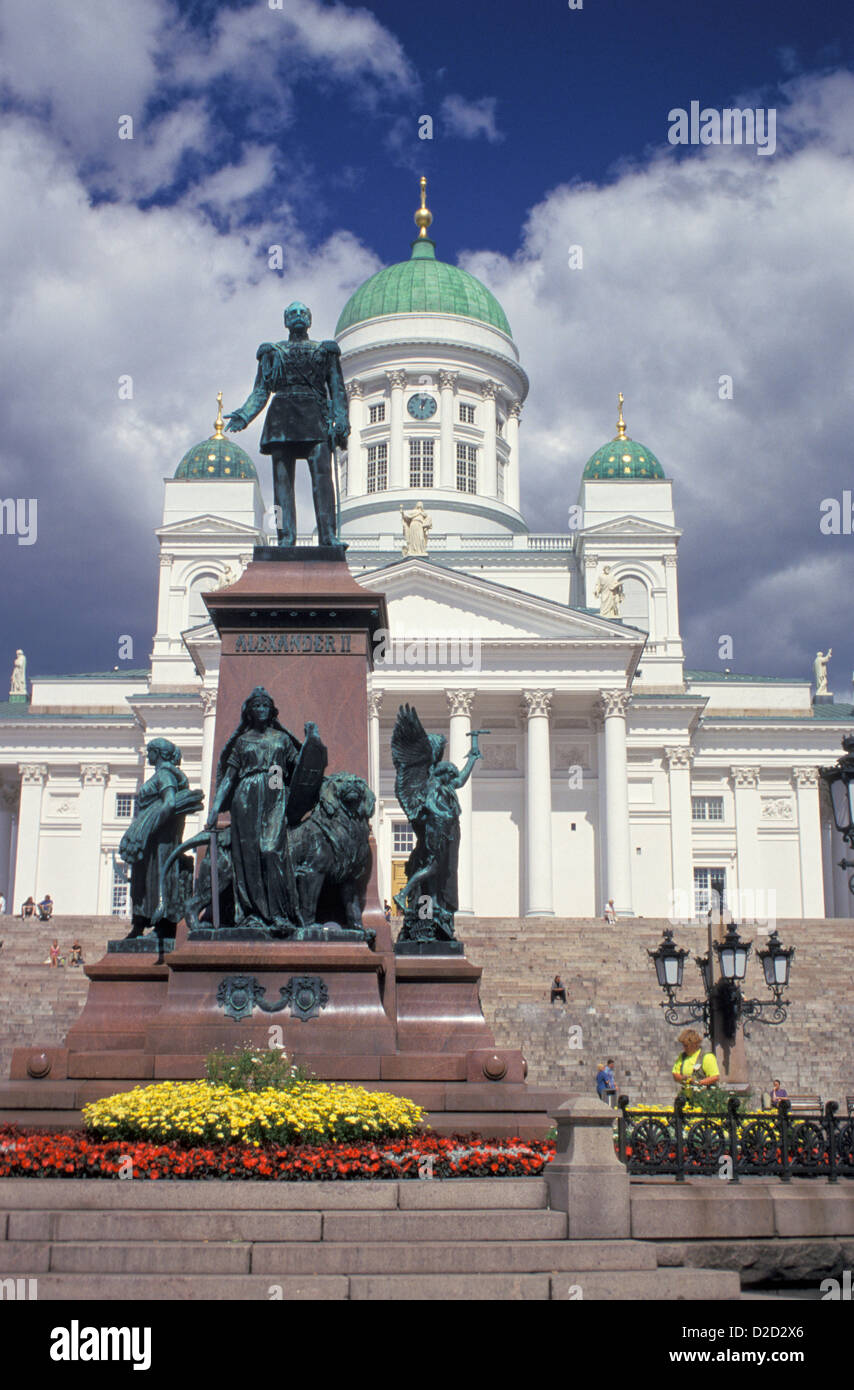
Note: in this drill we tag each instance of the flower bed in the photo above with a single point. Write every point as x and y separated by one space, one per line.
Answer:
43 1154
202 1112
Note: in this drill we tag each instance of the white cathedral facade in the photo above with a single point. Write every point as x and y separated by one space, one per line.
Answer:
611 771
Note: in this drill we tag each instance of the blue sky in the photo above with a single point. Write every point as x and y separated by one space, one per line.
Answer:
300 126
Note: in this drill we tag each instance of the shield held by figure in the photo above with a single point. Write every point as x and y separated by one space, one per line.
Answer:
307 776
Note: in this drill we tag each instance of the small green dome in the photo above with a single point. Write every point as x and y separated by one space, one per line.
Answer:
423 285
623 459
217 457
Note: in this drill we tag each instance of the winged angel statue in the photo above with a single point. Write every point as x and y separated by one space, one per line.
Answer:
426 789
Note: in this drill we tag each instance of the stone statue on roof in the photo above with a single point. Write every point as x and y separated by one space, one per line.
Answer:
18 684
819 667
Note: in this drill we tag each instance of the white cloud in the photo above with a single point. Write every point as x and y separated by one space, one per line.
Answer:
717 263
470 119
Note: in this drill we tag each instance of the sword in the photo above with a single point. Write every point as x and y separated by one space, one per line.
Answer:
213 851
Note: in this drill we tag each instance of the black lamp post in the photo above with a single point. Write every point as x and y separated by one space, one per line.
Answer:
724 999
840 784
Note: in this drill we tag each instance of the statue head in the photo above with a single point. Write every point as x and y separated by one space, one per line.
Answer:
258 706
297 315
160 750
437 743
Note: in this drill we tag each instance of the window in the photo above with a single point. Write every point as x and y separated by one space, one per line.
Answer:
466 413
421 463
403 837
119 906
466 468
376 413
500 481
707 808
125 805
202 584
709 891
634 609
378 468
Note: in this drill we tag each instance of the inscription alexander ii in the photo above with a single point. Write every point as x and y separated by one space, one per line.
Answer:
299 643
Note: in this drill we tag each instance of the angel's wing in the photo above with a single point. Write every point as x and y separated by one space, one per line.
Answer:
412 756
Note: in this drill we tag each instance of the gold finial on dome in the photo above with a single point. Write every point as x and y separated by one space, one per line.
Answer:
423 216
218 422
621 424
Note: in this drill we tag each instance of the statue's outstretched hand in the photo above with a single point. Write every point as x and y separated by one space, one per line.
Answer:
235 421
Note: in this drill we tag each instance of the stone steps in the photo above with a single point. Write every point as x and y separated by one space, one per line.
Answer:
395 1241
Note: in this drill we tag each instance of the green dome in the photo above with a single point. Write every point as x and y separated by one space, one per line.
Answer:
423 285
216 458
623 459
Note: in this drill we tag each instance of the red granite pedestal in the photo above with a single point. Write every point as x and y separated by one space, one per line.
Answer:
303 628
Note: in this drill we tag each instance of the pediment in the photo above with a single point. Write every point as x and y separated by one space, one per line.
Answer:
425 598
629 526
206 525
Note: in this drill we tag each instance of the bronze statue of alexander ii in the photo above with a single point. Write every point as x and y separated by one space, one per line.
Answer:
307 418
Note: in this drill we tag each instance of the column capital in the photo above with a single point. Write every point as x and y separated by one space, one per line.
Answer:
614 702
32 774
745 776
447 380
94 774
537 703
515 409
489 390
678 758
166 560
375 703
670 562
460 701
208 699
591 562
354 390
396 380
805 776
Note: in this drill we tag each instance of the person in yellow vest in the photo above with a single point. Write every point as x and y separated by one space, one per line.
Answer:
693 1066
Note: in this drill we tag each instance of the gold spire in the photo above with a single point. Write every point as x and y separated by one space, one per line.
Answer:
218 422
423 216
621 424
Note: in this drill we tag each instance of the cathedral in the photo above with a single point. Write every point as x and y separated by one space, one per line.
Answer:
611 772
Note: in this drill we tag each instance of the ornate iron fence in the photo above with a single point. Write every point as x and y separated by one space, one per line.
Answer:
761 1145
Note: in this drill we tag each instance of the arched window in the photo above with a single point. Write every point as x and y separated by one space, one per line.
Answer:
635 605
201 584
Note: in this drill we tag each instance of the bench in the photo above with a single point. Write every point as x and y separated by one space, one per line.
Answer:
803 1103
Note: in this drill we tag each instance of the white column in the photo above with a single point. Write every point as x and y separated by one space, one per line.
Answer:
670 571
13 853
745 782
375 704
398 473
85 889
538 804
447 457
459 744
208 698
614 704
29 826
487 483
514 477
681 849
809 841
8 806
356 480
163 596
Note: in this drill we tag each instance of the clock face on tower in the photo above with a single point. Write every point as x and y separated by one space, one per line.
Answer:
421 406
